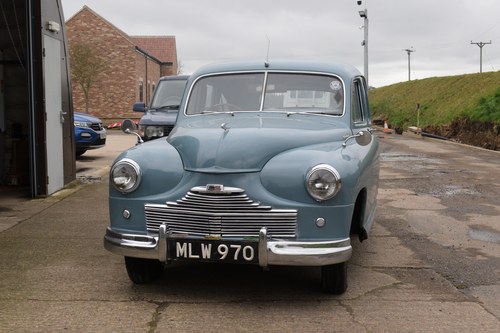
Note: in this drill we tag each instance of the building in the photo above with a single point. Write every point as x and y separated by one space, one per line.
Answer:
37 151
132 65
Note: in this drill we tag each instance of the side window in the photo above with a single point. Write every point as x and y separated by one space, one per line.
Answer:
360 106
356 105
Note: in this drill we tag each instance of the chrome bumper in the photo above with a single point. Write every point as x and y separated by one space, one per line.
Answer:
271 252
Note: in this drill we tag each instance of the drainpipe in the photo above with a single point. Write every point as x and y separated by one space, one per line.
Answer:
147 56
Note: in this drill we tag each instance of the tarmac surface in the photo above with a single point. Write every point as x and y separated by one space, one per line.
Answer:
55 275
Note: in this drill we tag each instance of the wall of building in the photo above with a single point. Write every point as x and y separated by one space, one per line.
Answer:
147 72
115 90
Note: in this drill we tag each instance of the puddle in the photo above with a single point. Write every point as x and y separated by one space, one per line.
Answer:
394 157
452 190
400 157
5 209
89 179
485 236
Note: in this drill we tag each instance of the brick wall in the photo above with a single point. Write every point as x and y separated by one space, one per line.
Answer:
117 88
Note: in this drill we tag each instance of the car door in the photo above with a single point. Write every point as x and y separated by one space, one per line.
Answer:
361 122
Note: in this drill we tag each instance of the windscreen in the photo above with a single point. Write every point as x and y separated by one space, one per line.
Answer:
288 92
304 92
168 93
229 92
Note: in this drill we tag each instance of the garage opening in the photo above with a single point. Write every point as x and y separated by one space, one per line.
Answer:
36 120
14 114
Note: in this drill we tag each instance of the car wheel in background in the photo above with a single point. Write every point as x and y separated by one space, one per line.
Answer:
334 278
143 270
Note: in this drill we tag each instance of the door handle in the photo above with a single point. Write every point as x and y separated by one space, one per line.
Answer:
61 115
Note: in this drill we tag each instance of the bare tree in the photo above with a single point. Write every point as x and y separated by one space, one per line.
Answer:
180 67
86 66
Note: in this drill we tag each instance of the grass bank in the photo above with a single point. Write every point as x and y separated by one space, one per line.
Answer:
441 100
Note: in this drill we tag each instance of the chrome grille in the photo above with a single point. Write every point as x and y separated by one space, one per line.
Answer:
229 214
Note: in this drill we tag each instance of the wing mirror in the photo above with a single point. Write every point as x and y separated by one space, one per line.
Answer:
363 138
139 107
129 127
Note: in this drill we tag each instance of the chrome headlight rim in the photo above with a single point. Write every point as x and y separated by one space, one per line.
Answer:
315 174
126 184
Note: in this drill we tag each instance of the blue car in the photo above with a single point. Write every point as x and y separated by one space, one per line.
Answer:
89 133
159 118
270 163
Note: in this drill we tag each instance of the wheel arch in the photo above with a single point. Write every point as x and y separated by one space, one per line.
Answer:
358 215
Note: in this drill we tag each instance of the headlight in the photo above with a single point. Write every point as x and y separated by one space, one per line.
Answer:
82 124
153 131
323 182
126 175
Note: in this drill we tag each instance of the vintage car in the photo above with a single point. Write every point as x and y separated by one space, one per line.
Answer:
270 163
159 117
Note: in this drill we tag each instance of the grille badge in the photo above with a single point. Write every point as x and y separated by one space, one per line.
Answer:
215 188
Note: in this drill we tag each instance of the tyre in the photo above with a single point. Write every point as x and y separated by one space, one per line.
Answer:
334 278
80 152
143 270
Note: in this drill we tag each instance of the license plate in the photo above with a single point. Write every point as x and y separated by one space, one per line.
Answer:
213 251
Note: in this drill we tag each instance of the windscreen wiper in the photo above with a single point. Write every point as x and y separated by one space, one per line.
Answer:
167 107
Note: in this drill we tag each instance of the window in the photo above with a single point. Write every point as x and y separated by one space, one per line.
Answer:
148 91
304 92
284 92
141 91
226 93
357 115
360 106
168 94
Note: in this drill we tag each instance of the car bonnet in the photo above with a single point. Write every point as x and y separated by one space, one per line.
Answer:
246 144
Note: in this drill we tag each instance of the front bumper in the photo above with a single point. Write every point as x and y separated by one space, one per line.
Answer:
271 252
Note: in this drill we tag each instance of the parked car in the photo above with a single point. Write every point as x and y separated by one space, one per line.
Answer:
160 116
89 133
268 164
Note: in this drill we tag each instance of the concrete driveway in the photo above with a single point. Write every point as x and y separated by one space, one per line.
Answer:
424 267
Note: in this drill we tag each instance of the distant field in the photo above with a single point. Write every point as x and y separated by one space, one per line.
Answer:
442 100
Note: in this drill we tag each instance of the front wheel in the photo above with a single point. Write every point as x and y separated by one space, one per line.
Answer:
334 278
143 270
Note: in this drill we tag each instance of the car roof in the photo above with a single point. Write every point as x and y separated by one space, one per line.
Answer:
343 70
174 77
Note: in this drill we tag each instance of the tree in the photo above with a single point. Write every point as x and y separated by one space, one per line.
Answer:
180 67
86 66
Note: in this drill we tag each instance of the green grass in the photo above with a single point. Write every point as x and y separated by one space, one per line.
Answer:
441 100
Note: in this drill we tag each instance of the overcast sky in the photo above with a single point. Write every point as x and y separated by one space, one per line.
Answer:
440 32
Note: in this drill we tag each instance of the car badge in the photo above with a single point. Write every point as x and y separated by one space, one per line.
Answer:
215 188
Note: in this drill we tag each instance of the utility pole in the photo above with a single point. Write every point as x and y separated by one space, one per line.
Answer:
364 14
481 44
409 51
